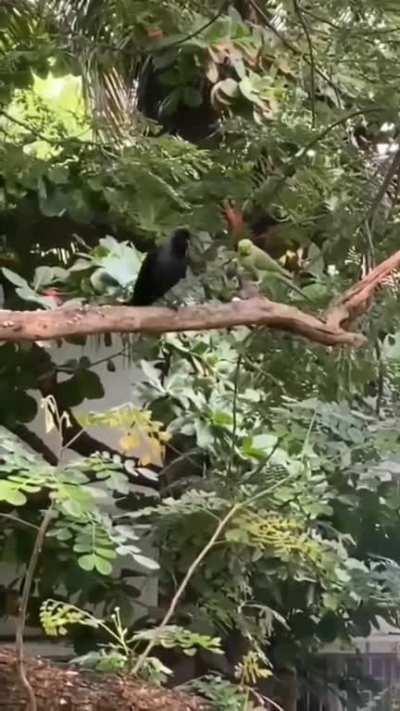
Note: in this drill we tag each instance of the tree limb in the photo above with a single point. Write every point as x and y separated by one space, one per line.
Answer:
257 311
330 330
23 608
358 299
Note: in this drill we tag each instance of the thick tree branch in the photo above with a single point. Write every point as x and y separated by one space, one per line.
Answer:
257 311
330 330
358 299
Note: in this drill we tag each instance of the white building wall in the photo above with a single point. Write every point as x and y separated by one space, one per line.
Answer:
117 391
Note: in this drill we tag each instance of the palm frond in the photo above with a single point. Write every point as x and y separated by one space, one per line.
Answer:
93 30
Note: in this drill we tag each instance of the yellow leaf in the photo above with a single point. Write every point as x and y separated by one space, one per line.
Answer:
143 445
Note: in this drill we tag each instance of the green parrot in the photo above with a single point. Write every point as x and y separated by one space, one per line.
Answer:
255 260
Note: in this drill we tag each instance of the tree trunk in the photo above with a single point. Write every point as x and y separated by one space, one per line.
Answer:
70 690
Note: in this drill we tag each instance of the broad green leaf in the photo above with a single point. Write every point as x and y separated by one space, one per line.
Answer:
102 565
11 495
146 562
87 562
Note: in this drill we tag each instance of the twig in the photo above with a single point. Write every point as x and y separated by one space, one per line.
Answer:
343 28
338 122
193 567
94 363
303 23
183 457
175 600
119 49
23 608
394 169
314 141
260 697
293 47
371 245
381 378
204 27
234 414
42 137
394 202
24 125
19 521
273 29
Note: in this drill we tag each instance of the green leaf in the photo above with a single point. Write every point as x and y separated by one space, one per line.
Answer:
146 562
11 495
204 435
122 263
240 68
222 419
229 87
108 553
247 89
14 278
63 534
153 375
87 562
103 566
260 446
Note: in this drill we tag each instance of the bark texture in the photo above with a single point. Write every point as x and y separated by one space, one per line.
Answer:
332 329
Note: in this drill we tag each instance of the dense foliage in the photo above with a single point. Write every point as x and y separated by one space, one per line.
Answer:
275 111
